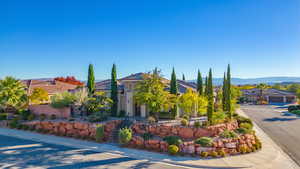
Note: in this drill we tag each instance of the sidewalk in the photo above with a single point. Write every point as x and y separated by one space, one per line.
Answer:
270 157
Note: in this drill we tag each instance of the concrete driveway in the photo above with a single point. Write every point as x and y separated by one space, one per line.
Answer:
283 128
21 153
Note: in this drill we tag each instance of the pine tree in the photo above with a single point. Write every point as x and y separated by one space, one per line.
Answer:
114 91
228 93
199 84
173 83
183 77
224 95
91 80
174 90
210 106
206 89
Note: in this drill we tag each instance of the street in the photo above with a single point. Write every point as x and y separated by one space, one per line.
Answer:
21 153
281 127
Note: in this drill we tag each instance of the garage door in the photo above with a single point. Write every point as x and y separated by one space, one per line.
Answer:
276 99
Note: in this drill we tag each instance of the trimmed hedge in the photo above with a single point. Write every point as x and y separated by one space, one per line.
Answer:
166 115
173 140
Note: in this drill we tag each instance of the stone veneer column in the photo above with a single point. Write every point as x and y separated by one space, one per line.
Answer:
129 103
284 99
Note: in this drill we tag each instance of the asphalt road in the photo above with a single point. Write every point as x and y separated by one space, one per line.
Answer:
283 128
21 153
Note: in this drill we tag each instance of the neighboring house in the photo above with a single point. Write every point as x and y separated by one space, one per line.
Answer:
126 91
51 86
269 95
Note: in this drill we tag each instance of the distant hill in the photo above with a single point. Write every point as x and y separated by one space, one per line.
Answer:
267 80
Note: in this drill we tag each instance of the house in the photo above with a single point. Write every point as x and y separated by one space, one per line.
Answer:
269 95
126 91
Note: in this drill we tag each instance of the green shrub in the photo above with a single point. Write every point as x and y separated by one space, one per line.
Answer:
99 133
173 149
147 136
245 125
204 141
214 154
13 123
184 122
122 113
297 112
241 119
24 114
98 116
204 154
187 117
3 116
25 127
151 120
53 117
218 117
243 131
31 117
173 140
197 124
228 134
43 117
125 135
166 115
293 108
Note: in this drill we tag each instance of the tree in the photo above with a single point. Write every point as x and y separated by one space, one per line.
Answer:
224 95
210 107
183 77
188 102
114 91
173 83
206 88
228 93
62 100
91 80
97 103
199 84
39 95
151 92
12 93
262 87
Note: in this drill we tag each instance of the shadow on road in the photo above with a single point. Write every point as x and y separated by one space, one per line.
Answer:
274 119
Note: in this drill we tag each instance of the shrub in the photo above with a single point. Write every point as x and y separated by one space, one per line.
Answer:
297 112
147 136
122 113
184 122
151 120
222 153
24 114
197 124
31 117
125 135
3 116
173 149
173 140
243 149
166 115
214 154
218 117
99 133
187 117
293 107
228 134
243 131
241 119
204 141
13 123
53 117
98 116
246 125
204 154
25 127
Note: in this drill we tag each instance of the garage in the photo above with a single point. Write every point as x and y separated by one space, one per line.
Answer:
276 99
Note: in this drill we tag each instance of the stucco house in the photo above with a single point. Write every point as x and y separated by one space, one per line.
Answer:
126 91
270 96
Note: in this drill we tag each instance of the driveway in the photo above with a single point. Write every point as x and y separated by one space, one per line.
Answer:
21 153
283 128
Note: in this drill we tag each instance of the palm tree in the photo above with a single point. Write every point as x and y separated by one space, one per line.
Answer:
12 94
262 87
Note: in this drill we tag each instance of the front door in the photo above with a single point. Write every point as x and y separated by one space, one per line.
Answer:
137 111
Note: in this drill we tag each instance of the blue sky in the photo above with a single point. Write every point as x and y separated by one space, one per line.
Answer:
58 38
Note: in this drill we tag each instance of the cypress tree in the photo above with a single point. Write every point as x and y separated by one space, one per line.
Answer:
114 91
206 88
91 80
183 77
224 95
173 83
228 92
199 84
210 106
174 90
